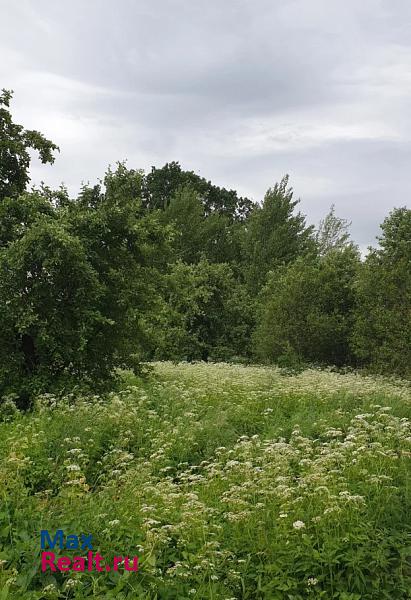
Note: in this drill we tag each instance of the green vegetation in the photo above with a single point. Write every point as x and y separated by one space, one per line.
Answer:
75 279
166 265
230 481
308 309
382 332
227 481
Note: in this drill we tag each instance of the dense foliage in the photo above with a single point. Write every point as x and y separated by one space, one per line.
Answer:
382 334
205 314
308 310
167 265
76 279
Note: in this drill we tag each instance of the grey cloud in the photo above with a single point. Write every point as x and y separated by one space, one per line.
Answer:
241 91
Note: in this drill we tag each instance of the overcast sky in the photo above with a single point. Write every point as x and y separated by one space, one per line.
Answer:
240 91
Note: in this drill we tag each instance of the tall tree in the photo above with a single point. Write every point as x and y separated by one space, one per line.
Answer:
382 335
15 145
76 279
201 234
160 186
333 233
275 235
185 212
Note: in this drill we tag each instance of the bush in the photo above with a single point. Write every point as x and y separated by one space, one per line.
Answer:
306 310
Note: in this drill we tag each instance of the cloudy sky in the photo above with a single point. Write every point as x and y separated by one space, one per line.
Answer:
240 91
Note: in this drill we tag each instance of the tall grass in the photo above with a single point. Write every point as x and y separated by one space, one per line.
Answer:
229 482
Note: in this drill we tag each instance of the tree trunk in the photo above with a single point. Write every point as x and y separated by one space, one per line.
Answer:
29 351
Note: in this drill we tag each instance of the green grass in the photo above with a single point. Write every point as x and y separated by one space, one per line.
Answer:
229 482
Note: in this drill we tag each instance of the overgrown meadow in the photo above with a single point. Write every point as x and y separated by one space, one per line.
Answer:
227 481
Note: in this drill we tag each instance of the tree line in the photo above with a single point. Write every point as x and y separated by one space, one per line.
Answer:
166 265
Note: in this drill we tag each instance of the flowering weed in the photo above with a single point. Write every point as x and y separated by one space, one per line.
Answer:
229 482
